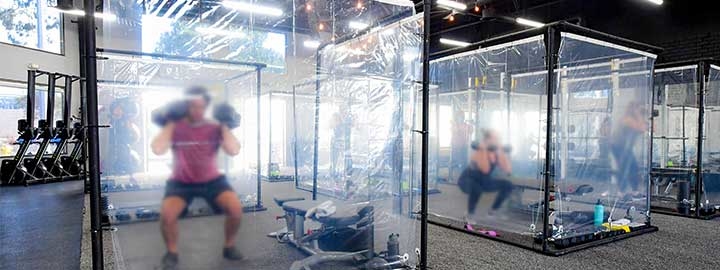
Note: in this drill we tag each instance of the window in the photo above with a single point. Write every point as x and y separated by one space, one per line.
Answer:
13 104
173 37
32 24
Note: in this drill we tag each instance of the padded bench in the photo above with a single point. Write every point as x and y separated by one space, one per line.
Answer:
344 215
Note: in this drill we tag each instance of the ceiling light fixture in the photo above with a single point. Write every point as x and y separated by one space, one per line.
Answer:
453 42
530 23
402 3
253 8
451 4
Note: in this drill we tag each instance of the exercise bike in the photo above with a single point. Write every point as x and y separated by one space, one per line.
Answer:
345 235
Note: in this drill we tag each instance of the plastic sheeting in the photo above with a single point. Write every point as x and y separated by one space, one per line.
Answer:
711 146
498 92
491 107
612 87
288 69
675 136
362 103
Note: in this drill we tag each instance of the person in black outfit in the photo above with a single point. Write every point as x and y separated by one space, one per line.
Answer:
488 163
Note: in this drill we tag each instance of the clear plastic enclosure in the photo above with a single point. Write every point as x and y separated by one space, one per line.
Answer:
675 134
711 143
206 99
489 107
603 103
490 98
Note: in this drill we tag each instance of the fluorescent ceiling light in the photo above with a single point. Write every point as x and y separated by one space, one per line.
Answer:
452 4
657 2
253 8
358 25
312 44
79 12
453 42
402 3
530 23
219 32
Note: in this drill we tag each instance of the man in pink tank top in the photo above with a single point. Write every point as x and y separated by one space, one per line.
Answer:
195 142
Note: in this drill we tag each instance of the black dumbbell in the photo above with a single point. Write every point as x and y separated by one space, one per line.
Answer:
226 115
171 112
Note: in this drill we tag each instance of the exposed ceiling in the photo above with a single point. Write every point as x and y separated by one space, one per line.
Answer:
634 19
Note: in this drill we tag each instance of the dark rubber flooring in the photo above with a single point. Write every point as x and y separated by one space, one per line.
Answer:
41 226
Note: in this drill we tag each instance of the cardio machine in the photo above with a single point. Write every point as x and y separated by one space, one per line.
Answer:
346 234
62 134
22 170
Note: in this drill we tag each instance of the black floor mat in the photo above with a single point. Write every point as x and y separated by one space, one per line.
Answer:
41 226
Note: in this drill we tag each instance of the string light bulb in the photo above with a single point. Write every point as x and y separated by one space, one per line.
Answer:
321 26
308 7
451 18
359 4
477 9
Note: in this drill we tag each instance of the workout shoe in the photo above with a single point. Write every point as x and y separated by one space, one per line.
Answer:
169 261
231 253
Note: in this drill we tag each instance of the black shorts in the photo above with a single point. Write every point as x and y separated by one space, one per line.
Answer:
208 191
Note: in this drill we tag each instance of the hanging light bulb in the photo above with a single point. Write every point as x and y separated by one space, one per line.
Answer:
321 26
359 4
477 9
451 18
308 6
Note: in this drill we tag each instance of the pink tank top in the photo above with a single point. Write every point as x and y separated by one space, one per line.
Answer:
195 150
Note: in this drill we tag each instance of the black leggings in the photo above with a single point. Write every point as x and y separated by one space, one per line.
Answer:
484 183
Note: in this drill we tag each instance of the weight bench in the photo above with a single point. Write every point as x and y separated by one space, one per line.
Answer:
346 235
280 201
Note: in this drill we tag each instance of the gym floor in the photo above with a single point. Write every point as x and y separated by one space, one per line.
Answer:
42 227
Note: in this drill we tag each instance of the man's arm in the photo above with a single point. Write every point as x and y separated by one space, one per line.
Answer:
162 142
230 143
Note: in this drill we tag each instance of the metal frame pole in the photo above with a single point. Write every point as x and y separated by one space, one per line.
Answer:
702 72
270 159
551 54
88 33
427 7
30 101
317 124
258 81
295 138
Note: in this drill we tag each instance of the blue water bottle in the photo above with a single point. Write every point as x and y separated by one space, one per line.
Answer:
599 213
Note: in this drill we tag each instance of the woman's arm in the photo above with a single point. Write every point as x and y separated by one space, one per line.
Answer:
162 142
481 160
230 143
504 162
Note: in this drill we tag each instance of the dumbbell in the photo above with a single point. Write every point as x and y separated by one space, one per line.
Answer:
173 111
226 115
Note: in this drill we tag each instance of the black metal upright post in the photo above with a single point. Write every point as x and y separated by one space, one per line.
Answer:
269 167
702 73
258 81
295 138
30 105
551 49
427 7
88 33
317 125
67 102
